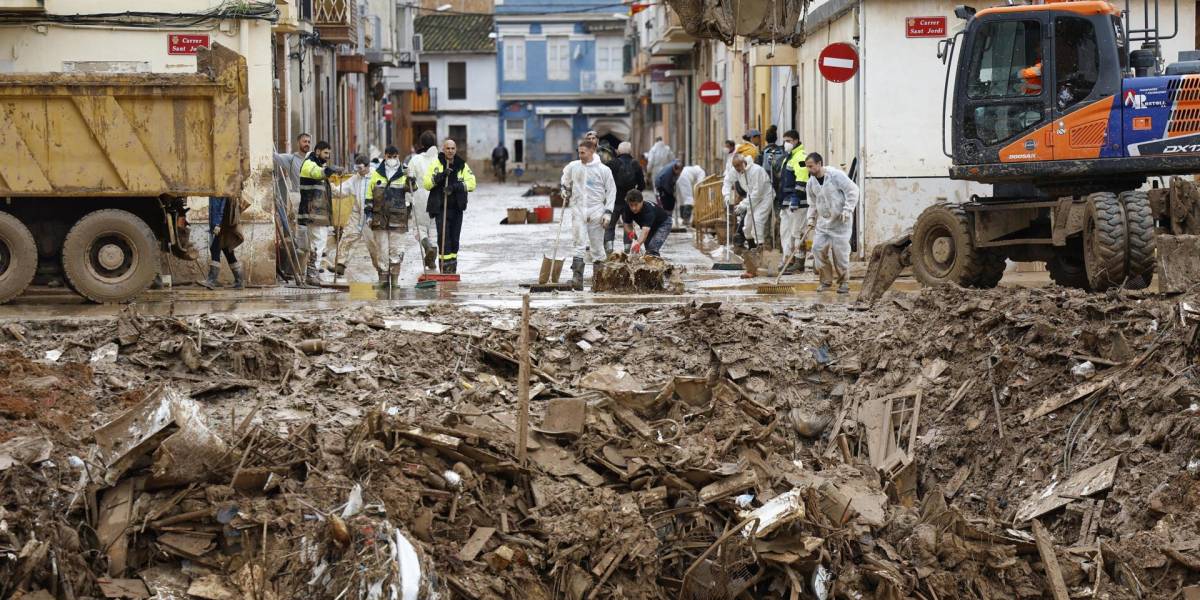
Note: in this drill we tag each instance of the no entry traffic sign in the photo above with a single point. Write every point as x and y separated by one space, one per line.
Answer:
838 62
710 92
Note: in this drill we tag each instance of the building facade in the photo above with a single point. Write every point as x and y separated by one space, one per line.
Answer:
561 66
458 79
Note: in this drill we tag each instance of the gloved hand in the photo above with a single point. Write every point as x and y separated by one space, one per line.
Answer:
330 171
812 222
636 248
847 216
741 208
458 186
439 178
629 235
605 220
565 191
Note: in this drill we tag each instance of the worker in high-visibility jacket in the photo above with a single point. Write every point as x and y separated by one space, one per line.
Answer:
793 184
315 207
389 215
449 179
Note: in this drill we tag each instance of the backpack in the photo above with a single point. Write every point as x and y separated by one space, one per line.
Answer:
624 175
773 161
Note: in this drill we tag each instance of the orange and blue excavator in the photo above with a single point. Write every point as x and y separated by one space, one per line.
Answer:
1053 107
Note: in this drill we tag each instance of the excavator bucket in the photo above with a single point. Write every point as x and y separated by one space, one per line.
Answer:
1177 208
888 260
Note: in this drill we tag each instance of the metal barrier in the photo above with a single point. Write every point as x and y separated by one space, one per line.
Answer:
709 213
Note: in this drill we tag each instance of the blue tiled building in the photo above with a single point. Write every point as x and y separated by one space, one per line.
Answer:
561 66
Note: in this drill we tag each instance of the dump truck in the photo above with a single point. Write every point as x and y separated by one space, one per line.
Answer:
1055 108
98 169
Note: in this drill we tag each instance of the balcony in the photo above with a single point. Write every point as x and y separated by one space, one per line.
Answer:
424 101
336 20
593 82
672 39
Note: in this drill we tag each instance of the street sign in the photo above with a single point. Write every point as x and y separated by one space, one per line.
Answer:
838 62
710 92
186 43
925 27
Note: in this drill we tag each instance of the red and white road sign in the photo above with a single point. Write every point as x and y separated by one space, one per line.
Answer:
710 92
925 27
838 62
186 43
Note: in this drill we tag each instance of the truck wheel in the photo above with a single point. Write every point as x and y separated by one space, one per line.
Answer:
110 256
1067 268
943 253
1140 221
18 257
1105 242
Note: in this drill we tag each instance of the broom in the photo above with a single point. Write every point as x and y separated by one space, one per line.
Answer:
726 263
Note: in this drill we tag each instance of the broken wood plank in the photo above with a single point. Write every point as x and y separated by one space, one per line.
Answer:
523 386
958 396
1054 577
476 543
1096 478
116 511
1074 394
729 485
956 482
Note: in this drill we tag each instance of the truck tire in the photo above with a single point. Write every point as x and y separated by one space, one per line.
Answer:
1067 267
18 257
942 250
1105 242
110 256
1139 220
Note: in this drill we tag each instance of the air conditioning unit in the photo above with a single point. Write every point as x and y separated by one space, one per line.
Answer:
407 59
419 42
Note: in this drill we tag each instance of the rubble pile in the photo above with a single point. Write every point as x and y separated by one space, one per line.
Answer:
947 444
637 274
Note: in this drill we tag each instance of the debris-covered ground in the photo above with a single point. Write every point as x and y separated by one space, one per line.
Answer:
948 444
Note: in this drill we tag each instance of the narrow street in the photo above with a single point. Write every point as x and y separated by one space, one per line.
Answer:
982 384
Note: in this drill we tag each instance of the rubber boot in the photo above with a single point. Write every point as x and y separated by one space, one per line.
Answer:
450 267
608 247
577 273
384 279
597 267
430 254
239 276
214 271
394 273
844 288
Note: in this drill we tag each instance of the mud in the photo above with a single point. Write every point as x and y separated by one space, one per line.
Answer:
639 274
727 449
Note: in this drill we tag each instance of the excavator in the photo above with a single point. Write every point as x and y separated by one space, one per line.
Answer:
1070 124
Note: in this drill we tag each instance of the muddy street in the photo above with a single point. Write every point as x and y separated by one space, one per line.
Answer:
946 443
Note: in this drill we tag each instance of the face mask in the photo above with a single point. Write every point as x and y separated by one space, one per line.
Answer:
392 163
788 146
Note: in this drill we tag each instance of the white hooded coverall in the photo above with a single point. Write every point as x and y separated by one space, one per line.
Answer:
759 202
658 157
832 203
417 166
352 233
592 196
685 185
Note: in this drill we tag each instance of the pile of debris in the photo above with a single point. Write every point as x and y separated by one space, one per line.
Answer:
637 274
948 444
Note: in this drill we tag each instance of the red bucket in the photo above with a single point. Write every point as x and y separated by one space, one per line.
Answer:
545 214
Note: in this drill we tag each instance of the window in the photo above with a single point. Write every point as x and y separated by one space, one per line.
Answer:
609 56
458 133
514 59
558 58
456 76
1004 82
558 137
1006 61
1076 60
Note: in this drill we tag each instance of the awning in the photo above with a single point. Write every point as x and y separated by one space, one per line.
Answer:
556 110
615 109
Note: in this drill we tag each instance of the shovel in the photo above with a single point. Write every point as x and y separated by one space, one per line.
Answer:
798 249
552 265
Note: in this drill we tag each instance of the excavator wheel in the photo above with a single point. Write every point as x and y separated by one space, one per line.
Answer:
942 250
18 257
1067 267
110 256
1140 222
1105 242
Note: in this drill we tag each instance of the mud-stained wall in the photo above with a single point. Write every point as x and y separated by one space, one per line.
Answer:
57 48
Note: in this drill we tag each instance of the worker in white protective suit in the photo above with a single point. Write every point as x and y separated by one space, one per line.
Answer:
658 157
417 166
748 189
589 187
832 200
356 187
685 191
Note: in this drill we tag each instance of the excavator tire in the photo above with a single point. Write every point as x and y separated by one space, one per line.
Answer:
18 257
1067 268
943 252
110 256
1139 219
1105 242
